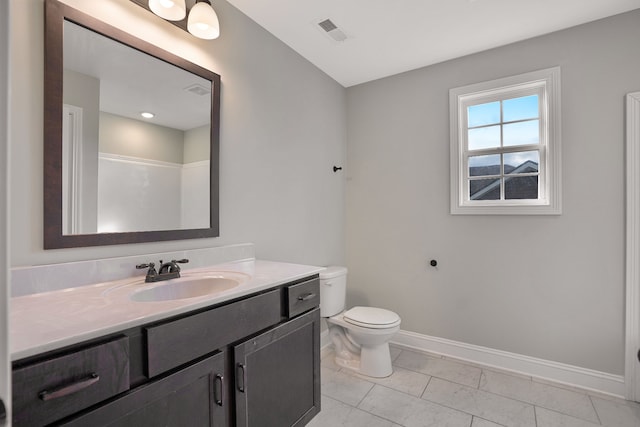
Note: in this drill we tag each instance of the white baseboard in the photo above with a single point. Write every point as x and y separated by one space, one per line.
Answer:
561 373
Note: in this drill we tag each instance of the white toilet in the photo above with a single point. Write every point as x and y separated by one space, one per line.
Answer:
360 335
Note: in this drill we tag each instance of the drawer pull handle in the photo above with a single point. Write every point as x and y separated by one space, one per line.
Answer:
69 389
219 380
306 297
241 377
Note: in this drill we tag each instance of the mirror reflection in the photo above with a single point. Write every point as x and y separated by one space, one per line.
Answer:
123 172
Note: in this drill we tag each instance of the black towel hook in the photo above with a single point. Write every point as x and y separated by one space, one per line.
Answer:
337 168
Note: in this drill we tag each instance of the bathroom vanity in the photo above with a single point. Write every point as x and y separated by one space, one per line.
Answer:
247 356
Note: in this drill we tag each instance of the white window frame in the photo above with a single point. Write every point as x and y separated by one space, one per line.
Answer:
544 83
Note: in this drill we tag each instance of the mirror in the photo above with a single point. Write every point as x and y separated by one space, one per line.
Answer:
112 176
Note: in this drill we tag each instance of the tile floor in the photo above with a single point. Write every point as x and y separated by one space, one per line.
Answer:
428 390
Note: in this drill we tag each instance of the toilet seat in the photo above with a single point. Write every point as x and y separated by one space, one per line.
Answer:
371 317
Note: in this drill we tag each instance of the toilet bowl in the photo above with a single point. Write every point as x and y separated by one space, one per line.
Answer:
359 335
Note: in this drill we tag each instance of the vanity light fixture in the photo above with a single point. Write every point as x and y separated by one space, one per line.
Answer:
171 10
202 21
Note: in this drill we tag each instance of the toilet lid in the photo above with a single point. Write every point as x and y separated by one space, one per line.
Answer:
372 317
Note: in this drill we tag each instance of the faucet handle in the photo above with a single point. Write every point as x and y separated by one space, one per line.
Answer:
174 264
151 273
148 265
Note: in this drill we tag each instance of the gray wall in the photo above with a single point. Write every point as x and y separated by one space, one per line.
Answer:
135 138
283 128
545 286
197 144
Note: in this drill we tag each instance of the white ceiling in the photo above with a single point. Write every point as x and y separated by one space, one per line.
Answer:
129 81
387 37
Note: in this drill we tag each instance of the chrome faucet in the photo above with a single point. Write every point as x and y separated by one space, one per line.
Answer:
167 270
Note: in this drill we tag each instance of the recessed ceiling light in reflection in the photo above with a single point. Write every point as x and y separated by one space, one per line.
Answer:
147 115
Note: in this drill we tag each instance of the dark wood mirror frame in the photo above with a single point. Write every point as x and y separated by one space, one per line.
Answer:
55 15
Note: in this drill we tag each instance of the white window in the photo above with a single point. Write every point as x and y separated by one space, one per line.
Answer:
505 145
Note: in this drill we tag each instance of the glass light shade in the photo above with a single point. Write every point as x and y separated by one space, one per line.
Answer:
171 10
203 21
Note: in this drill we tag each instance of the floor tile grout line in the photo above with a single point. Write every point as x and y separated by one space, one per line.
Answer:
366 394
362 410
536 380
427 400
524 401
567 415
461 411
432 375
426 387
376 415
593 405
507 397
548 408
484 419
365 379
488 392
546 383
482 372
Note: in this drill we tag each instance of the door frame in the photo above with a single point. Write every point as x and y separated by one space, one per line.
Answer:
5 47
632 315
72 169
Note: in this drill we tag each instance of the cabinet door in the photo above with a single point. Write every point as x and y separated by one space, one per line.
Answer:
277 379
193 396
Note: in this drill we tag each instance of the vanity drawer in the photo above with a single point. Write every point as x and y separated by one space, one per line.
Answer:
47 391
302 297
179 341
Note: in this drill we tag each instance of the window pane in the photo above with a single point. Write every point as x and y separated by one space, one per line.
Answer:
521 133
520 108
484 165
488 137
521 187
483 114
484 189
524 162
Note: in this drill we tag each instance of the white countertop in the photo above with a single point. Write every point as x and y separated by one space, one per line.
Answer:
51 320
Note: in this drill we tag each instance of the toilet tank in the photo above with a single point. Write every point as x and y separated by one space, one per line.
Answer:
333 290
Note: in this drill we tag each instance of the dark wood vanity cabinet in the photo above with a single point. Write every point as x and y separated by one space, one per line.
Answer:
254 361
277 375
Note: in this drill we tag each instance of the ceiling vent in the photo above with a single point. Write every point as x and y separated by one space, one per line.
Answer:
332 30
198 89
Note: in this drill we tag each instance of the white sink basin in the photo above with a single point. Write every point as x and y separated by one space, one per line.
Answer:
187 287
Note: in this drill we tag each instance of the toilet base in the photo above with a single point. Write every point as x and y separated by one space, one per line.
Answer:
372 361
360 349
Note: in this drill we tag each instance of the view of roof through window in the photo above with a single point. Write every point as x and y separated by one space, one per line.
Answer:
505 134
